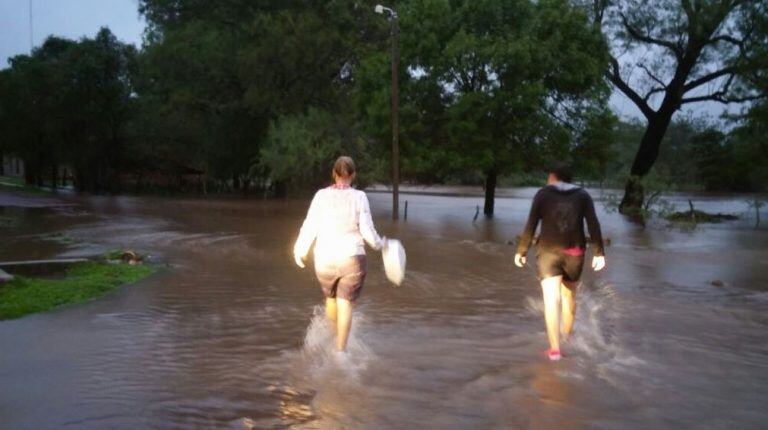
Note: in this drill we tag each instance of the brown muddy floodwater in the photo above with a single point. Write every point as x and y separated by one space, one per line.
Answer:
228 335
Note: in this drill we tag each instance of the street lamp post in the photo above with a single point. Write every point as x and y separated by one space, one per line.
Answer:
395 36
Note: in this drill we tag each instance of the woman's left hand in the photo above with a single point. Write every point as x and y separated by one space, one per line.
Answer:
299 261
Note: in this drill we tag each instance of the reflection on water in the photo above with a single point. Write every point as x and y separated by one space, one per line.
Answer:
230 334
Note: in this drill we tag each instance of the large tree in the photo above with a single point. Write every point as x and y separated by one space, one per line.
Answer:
232 69
36 123
100 100
491 85
667 54
68 104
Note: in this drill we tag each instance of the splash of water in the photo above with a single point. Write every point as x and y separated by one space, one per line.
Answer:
593 336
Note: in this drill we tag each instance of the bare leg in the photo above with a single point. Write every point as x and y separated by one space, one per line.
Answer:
568 299
343 323
330 311
550 288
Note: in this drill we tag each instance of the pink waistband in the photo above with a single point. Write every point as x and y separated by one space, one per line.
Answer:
574 251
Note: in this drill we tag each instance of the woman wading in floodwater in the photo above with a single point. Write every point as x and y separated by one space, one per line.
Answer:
340 219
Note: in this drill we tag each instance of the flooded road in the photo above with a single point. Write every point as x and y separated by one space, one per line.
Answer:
229 334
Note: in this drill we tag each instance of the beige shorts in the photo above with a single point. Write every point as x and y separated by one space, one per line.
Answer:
343 280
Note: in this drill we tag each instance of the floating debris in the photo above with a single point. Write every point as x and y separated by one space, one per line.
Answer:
699 216
125 256
696 216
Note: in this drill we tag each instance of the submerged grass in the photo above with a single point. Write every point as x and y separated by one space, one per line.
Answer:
82 282
17 184
11 181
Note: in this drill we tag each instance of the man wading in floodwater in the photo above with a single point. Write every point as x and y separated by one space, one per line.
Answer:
340 219
562 208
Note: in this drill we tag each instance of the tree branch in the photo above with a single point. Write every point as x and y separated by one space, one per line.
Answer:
652 76
635 33
653 91
709 78
599 7
559 119
725 38
614 76
721 98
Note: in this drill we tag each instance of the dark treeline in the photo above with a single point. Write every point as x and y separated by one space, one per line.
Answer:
262 95
70 103
696 155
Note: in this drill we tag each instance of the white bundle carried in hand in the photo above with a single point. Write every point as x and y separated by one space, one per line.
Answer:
393 254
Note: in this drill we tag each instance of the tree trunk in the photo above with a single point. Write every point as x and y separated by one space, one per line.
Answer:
281 189
490 193
235 182
2 163
634 192
29 172
54 176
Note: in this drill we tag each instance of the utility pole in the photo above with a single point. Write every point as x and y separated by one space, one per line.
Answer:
395 38
395 120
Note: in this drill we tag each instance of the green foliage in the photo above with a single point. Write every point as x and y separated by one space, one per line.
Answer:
483 92
696 154
682 53
493 71
750 148
69 103
595 146
11 182
18 184
215 78
83 282
266 93
299 149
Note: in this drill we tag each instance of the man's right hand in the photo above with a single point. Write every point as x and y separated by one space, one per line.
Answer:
598 263
519 260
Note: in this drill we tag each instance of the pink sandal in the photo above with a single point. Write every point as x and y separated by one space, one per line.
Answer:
553 355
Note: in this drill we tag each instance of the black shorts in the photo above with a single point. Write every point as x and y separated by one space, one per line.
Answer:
555 263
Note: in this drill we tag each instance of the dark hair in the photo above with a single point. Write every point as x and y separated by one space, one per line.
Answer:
562 171
343 168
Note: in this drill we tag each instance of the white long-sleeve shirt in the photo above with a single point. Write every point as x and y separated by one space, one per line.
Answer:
340 220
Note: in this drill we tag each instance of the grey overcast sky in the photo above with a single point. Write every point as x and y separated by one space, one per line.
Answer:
67 18
77 18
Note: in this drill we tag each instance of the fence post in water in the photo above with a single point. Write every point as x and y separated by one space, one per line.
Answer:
405 214
477 212
693 212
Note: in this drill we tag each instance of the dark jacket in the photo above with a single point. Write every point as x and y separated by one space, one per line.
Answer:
562 209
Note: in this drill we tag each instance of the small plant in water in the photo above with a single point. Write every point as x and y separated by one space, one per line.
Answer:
654 206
